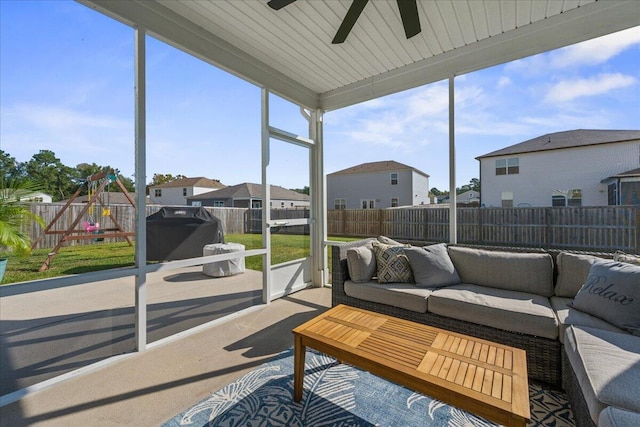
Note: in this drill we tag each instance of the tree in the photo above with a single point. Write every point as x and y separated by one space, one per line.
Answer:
304 190
474 184
49 174
15 216
437 192
159 178
9 168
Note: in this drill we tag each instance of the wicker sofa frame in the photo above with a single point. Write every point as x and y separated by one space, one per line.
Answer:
543 354
572 388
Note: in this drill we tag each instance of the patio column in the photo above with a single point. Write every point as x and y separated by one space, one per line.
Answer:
453 221
140 176
318 201
266 201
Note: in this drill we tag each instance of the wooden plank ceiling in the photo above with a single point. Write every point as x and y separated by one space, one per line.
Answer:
290 50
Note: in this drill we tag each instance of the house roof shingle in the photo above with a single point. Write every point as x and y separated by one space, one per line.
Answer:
373 167
198 181
566 139
250 190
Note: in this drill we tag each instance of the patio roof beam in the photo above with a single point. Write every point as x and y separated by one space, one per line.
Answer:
290 137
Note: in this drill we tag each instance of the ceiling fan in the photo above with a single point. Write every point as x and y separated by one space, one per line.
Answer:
408 13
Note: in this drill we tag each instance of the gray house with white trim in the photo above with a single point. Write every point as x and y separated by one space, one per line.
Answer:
377 185
250 195
572 168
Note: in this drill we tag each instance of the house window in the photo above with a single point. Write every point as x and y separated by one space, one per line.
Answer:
282 204
291 204
509 166
196 203
394 202
612 200
184 192
394 178
218 203
340 204
507 199
257 204
567 197
157 192
368 204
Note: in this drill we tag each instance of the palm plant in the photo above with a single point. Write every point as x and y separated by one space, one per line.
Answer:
15 217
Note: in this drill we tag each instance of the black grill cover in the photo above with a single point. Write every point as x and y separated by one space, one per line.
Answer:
181 232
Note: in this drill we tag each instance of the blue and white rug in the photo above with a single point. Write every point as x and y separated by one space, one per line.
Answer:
340 395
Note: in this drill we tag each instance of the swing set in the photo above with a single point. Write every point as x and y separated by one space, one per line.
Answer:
88 218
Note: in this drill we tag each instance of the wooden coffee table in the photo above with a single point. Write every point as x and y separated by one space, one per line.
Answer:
479 376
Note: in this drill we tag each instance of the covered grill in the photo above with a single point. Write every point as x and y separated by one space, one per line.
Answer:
181 232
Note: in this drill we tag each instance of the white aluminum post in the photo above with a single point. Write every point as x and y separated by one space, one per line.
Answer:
266 201
140 176
318 201
453 232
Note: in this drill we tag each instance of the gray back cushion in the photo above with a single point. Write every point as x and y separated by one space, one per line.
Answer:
572 272
524 272
612 293
432 266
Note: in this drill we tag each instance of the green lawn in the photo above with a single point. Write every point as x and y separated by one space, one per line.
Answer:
103 256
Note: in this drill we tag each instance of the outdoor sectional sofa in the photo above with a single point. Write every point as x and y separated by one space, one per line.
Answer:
525 299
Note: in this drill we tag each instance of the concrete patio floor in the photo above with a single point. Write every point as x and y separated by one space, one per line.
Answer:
151 387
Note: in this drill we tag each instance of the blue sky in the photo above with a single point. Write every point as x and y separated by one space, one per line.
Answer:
66 85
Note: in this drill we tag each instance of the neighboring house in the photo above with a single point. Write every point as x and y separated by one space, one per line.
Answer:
468 198
377 185
249 195
176 192
33 196
623 188
108 197
572 168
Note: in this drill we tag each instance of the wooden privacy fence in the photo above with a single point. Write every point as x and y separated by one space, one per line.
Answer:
604 229
233 220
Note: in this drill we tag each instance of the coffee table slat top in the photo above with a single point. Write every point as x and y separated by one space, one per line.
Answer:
481 376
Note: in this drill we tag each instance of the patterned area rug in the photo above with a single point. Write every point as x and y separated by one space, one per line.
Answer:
340 395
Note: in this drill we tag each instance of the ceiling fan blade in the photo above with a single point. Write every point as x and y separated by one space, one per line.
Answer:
349 21
279 4
410 19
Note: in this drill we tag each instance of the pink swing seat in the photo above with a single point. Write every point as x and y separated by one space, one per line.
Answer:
90 227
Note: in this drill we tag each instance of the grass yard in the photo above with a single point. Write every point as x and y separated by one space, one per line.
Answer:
103 256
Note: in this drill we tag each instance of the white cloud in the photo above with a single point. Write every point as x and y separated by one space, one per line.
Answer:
591 52
568 90
504 81
595 51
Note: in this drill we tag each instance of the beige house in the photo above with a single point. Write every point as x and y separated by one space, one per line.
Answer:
176 192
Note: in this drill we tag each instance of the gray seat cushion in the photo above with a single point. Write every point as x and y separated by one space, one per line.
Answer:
615 417
607 367
568 316
523 272
499 308
402 295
